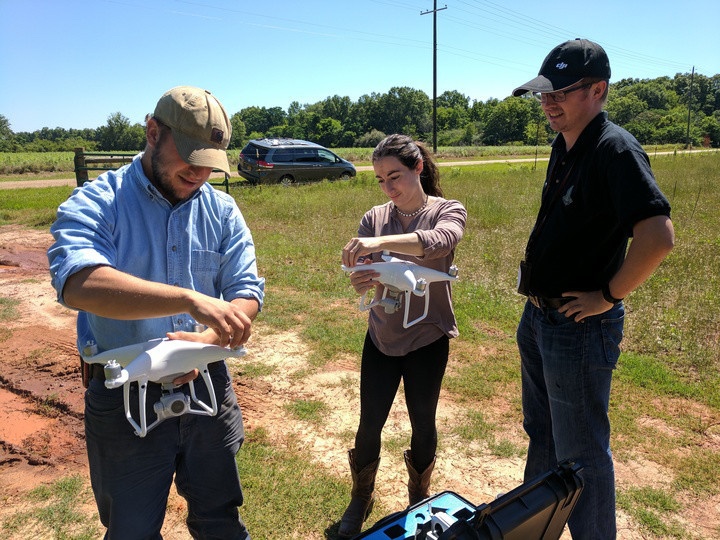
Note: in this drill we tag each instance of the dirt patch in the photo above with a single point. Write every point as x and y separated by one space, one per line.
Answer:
41 408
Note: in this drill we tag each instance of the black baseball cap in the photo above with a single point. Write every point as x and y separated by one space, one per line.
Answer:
567 64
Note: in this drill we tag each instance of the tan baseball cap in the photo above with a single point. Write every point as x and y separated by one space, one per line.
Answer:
199 125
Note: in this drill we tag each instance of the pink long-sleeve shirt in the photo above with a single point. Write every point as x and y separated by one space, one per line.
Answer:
439 227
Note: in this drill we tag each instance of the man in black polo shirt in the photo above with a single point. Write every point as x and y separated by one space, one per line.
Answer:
599 192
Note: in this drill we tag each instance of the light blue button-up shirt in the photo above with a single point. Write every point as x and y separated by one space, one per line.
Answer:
120 220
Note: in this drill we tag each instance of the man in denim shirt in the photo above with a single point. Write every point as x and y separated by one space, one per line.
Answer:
151 251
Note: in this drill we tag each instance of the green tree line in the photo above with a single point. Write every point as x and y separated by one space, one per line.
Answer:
683 109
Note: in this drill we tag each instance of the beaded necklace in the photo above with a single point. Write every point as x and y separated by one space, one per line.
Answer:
412 214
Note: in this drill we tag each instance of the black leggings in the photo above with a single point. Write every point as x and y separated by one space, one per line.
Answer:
422 372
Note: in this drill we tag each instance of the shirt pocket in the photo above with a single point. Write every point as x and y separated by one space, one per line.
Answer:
205 268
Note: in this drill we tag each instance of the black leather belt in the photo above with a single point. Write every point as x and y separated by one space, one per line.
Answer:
549 303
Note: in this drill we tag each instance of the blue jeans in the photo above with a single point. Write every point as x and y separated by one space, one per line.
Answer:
131 476
566 372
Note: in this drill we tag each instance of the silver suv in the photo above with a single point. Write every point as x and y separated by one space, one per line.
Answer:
285 161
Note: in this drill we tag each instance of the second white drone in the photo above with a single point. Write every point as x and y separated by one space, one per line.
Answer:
399 276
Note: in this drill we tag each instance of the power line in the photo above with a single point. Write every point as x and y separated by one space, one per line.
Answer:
520 20
508 24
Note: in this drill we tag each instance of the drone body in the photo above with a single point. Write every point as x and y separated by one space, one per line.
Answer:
161 361
397 276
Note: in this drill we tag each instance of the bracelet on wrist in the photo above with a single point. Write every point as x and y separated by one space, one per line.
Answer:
609 297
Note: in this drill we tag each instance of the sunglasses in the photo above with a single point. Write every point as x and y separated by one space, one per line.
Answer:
560 95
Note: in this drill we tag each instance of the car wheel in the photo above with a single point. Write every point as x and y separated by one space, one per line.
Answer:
345 176
286 180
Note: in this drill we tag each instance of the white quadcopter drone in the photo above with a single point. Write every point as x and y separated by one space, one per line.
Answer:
160 361
399 276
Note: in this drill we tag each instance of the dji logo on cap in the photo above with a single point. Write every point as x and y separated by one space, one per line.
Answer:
561 65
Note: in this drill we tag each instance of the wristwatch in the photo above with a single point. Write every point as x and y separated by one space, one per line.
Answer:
609 297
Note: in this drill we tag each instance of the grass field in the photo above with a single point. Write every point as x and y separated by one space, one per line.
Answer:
672 344
671 351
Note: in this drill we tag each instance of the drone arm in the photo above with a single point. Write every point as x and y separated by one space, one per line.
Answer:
213 409
142 428
408 324
365 305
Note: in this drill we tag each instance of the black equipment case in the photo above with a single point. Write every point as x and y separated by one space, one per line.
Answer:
536 510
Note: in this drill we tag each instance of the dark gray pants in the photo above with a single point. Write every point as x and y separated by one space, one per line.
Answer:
131 476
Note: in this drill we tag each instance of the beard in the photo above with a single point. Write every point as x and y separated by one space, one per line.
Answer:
160 177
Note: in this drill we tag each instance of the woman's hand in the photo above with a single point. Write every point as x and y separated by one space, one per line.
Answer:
364 280
357 248
354 256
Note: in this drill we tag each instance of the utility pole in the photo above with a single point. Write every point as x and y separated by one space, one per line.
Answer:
692 76
434 12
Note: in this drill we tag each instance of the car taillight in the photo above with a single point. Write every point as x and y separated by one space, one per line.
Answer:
265 164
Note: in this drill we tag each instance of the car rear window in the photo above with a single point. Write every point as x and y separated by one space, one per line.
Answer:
254 152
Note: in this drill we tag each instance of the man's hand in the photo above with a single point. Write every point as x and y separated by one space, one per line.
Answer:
584 304
653 238
230 321
208 336
190 376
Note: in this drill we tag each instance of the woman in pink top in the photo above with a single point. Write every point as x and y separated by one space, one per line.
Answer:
418 225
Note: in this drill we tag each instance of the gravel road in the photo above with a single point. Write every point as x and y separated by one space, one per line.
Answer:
57 182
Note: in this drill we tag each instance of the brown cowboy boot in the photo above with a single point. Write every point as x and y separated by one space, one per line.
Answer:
418 483
361 497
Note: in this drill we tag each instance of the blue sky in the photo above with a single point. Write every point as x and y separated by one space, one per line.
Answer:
73 63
